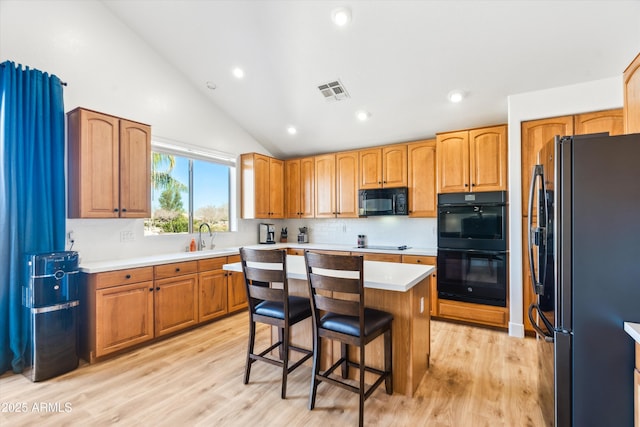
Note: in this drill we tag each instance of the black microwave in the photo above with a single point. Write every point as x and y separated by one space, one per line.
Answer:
383 201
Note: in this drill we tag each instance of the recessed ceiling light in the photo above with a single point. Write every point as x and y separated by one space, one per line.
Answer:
238 72
456 96
341 16
292 130
211 85
363 115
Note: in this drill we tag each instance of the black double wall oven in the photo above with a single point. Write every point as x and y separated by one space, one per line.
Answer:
472 247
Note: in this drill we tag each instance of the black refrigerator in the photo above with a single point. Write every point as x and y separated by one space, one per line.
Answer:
584 252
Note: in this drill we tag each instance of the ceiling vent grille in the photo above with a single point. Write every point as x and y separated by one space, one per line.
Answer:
333 91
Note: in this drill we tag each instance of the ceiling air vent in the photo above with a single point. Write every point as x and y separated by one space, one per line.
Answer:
333 91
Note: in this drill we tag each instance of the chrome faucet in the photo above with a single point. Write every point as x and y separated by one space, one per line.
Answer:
201 244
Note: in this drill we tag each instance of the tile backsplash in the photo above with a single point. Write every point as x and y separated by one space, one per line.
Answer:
105 239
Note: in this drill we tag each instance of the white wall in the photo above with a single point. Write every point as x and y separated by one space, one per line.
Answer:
591 96
108 68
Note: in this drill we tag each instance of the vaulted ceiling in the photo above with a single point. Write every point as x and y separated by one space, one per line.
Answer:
398 60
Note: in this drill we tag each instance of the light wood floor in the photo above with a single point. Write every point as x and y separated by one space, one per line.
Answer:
478 377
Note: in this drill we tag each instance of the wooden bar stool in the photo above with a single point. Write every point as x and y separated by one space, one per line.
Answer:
273 306
336 287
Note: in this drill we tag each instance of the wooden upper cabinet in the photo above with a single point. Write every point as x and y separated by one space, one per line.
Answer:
422 178
383 167
472 160
631 87
347 184
394 166
299 188
325 186
276 188
135 168
336 185
488 158
370 168
453 162
262 186
611 121
109 166
534 134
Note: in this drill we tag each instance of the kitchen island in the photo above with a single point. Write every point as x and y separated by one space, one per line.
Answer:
400 289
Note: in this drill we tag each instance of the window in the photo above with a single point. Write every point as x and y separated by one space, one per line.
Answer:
188 189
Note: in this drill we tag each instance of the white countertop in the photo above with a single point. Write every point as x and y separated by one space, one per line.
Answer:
390 276
121 264
633 329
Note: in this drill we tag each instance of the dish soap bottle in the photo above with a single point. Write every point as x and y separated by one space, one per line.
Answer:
192 246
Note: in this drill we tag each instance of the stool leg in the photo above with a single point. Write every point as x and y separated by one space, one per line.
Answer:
344 353
361 388
284 355
281 340
317 351
388 361
252 336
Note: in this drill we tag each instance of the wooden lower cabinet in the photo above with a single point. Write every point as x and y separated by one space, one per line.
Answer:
374 256
116 311
125 316
237 293
175 303
473 313
433 280
212 285
126 308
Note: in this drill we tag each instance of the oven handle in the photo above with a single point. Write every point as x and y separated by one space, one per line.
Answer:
474 251
442 205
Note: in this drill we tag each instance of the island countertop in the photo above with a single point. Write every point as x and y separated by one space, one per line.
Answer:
390 276
633 329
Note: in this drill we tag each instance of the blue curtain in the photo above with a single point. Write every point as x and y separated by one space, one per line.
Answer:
32 190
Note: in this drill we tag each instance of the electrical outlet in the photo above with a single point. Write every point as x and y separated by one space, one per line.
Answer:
70 237
127 236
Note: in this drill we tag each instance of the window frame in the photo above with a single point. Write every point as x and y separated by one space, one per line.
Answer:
200 154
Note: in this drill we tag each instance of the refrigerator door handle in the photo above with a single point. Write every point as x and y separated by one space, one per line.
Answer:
548 336
537 235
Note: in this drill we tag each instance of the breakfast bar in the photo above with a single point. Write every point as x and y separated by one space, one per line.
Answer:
400 289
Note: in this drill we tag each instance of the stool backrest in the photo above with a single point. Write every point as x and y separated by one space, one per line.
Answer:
262 268
339 278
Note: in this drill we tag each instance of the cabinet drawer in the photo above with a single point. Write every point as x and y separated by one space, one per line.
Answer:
294 251
233 258
419 259
487 315
212 263
123 277
369 256
175 269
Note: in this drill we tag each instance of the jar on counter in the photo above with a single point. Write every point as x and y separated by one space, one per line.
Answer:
361 240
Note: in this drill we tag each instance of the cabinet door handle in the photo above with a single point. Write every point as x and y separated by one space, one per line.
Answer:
115 209
466 185
157 288
150 289
124 209
419 261
128 276
177 269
